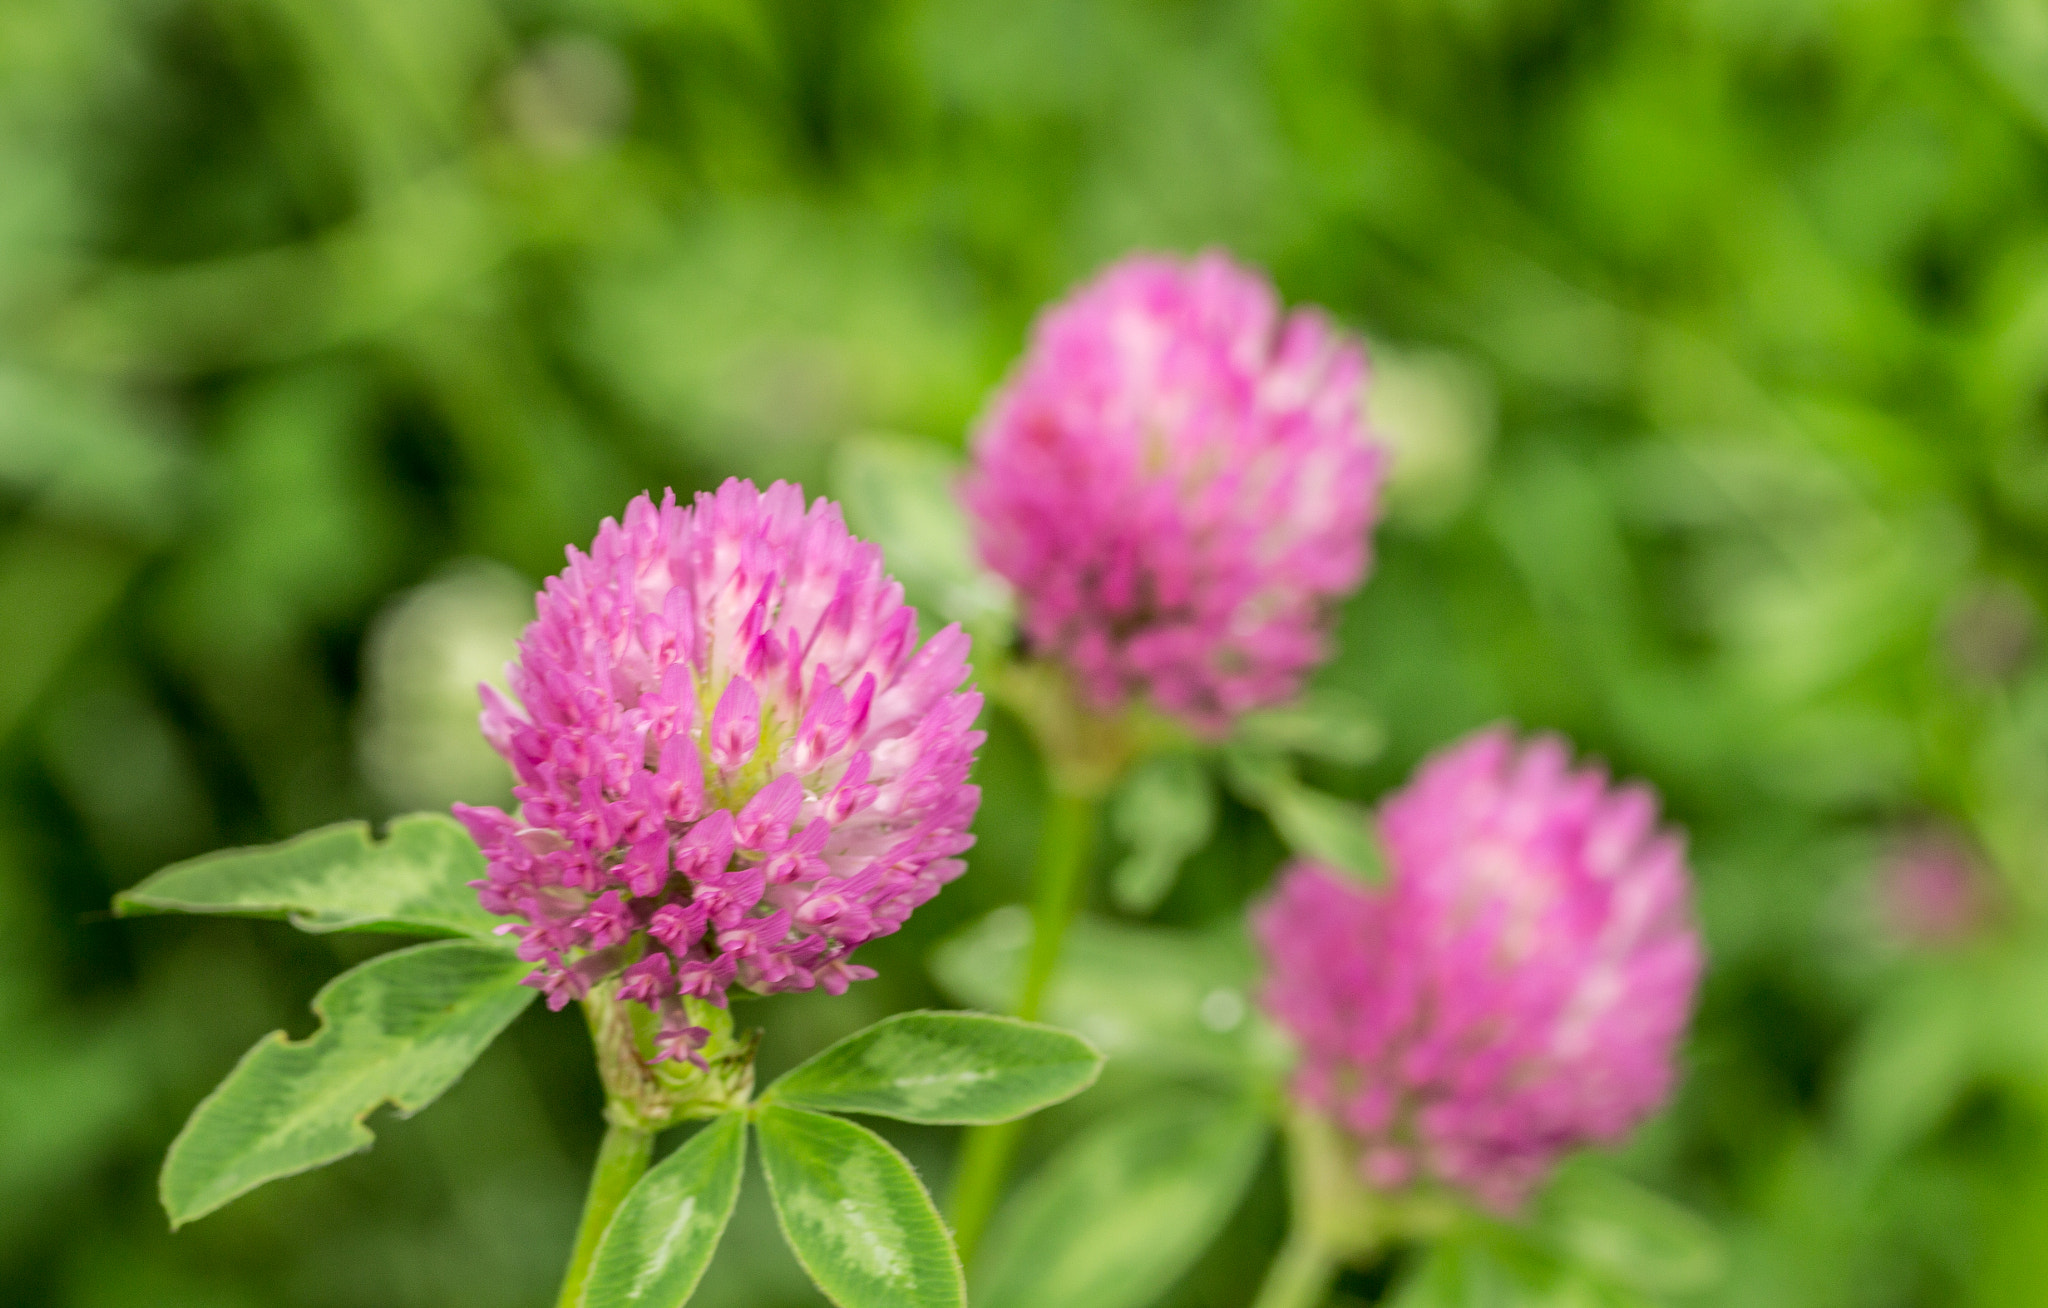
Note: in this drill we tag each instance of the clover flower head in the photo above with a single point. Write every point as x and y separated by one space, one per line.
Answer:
734 761
1932 892
1516 988
1176 479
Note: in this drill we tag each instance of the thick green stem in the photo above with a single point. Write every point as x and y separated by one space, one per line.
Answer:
985 1154
1332 1219
1063 849
1301 1273
621 1160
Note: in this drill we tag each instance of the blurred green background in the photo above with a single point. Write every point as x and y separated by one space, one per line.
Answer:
1713 336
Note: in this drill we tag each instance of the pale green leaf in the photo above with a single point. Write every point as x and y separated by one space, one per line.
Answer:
901 494
657 1245
337 878
1173 1000
857 1217
1634 1236
1323 724
1117 1216
1490 1265
944 1068
1917 1055
399 1029
1165 811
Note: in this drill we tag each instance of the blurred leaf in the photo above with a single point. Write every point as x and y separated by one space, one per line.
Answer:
903 495
1498 1267
399 1029
1635 1235
1167 999
1322 724
1434 413
424 656
1118 1215
1165 810
56 587
66 1095
657 1245
84 457
1912 1061
1313 824
857 1217
943 1068
416 880
2011 38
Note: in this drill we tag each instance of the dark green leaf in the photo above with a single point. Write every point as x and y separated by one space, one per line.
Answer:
858 1218
399 1029
661 1239
1172 1000
1120 1214
947 1068
337 878
1313 824
1165 811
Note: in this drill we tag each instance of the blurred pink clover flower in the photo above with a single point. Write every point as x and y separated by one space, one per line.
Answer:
1516 989
1176 479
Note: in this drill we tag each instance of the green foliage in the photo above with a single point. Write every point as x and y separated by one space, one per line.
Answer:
399 1029
1173 1001
1322 724
657 1245
943 1069
1118 1215
415 880
1164 811
855 1213
1313 824
902 495
1633 1236
1597 1240
1726 456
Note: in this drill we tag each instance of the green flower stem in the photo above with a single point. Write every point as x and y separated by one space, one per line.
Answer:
1063 850
1332 1219
1301 1274
621 1160
985 1155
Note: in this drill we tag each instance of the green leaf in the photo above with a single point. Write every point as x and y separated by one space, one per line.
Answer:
1313 824
1633 1235
1459 1273
1323 724
416 880
1915 1058
398 1029
1171 1000
659 1242
1164 812
899 493
954 1069
858 1218
1492 1265
1117 1216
